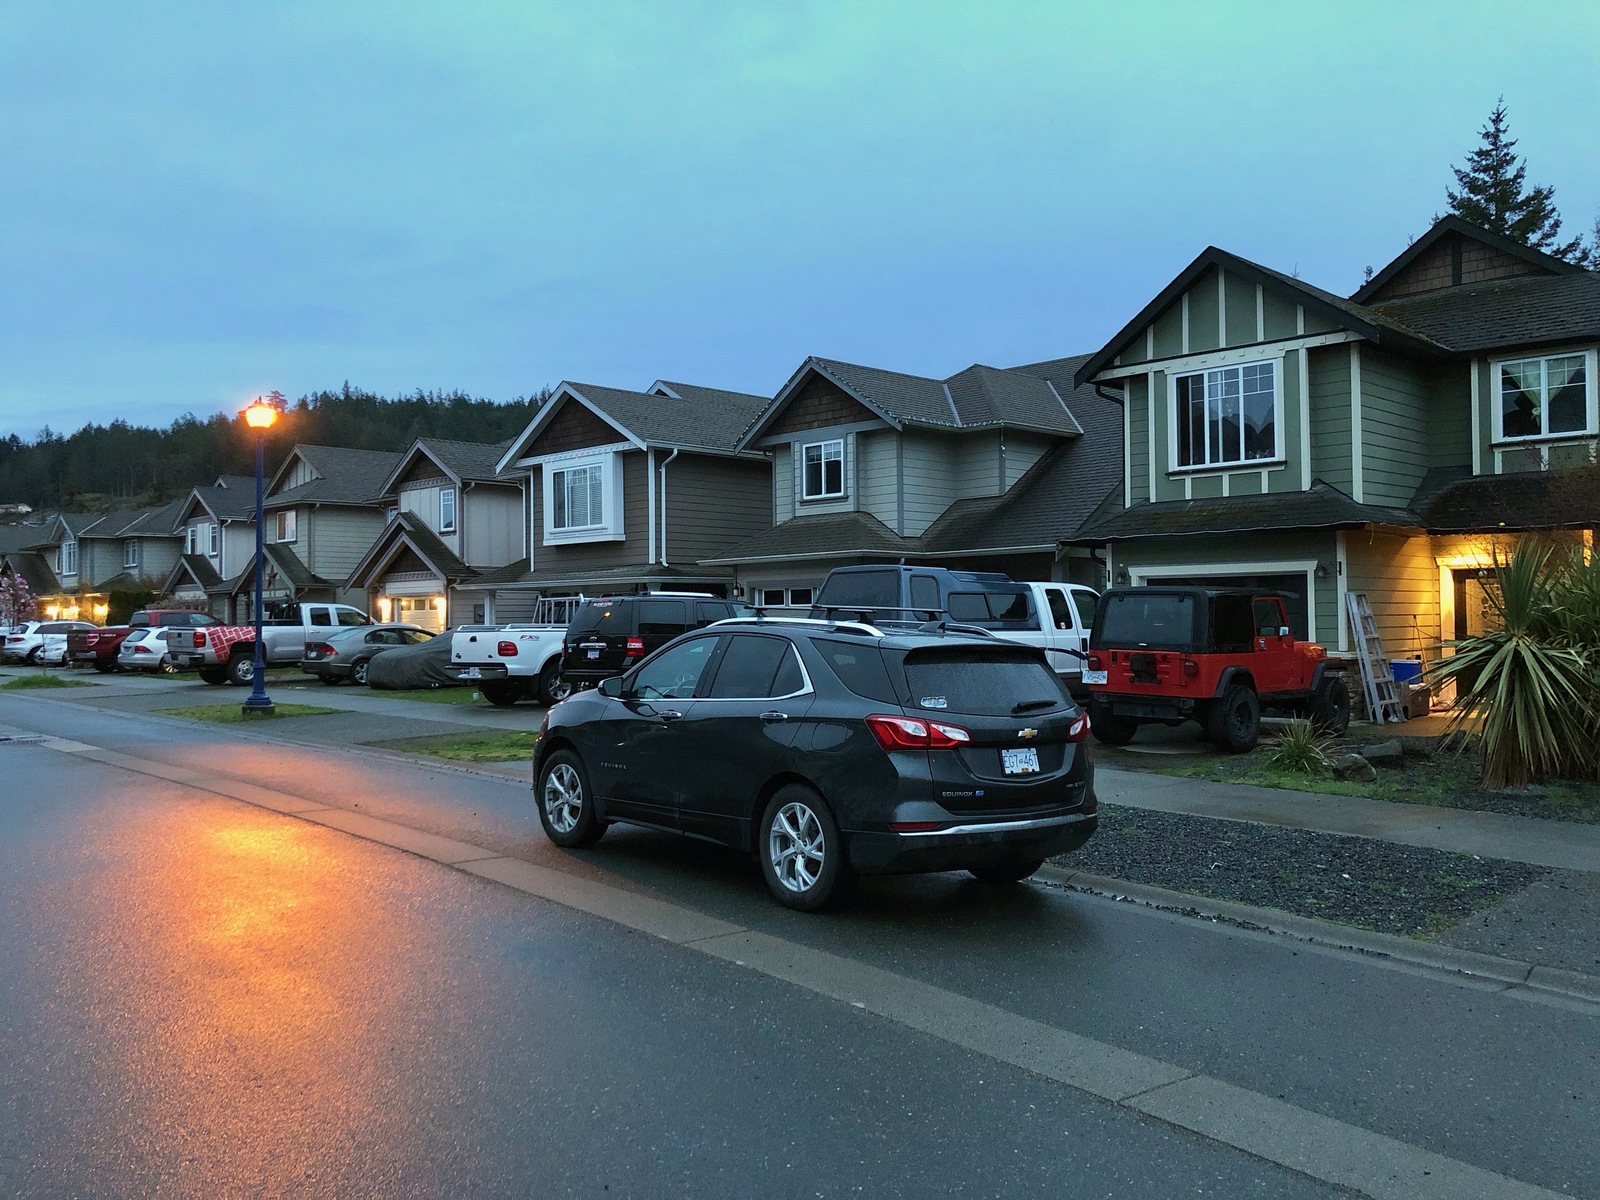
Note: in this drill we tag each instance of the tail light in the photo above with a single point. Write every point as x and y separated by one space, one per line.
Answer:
1079 729
1095 663
320 650
506 649
635 647
141 649
199 641
911 733
1191 668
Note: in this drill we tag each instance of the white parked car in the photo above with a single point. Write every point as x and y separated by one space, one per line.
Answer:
40 641
146 650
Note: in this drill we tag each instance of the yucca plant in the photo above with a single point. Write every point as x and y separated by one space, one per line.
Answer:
1301 747
1528 687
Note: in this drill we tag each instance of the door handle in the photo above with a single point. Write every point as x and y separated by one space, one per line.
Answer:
670 715
770 717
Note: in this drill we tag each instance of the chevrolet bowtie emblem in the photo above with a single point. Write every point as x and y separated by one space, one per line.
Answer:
1027 733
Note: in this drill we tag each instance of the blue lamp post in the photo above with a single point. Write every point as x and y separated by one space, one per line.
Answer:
260 417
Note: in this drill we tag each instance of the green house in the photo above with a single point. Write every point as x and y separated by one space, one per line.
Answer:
1392 442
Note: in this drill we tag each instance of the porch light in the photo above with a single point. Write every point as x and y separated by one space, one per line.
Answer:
385 606
1324 571
52 611
100 611
1122 577
438 602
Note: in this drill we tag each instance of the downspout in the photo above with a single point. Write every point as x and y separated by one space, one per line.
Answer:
663 490
650 493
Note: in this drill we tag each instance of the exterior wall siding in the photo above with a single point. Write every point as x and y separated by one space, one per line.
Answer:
1330 416
1401 579
593 556
782 483
977 465
851 499
1394 428
573 428
491 525
930 467
817 404
878 474
423 503
334 539
712 504
1022 451
1450 415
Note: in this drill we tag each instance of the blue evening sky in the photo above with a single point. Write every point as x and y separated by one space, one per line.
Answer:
203 201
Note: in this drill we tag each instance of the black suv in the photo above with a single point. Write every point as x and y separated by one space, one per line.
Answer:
984 598
609 635
825 748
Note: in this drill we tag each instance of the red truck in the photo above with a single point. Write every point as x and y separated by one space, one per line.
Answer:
98 647
1219 656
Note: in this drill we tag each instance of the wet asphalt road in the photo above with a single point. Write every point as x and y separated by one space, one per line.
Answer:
205 998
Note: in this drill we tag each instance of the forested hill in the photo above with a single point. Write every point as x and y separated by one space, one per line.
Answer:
102 464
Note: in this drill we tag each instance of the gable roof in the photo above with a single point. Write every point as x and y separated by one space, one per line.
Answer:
231 498
1527 310
152 521
402 533
344 476
1369 323
286 562
706 419
197 568
33 568
1453 226
827 535
463 462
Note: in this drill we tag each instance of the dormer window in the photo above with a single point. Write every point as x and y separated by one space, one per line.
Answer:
822 470
130 553
1226 416
67 558
582 498
447 510
1544 397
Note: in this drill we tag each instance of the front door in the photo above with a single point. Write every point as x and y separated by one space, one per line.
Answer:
741 734
645 765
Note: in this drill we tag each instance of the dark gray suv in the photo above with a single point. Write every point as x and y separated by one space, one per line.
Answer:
826 748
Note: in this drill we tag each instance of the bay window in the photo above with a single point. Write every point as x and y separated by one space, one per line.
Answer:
1227 415
822 470
1544 397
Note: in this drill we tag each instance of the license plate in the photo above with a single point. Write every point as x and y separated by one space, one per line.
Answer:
1020 762
472 673
1094 677
593 654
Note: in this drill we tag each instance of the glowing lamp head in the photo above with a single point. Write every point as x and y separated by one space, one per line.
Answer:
260 415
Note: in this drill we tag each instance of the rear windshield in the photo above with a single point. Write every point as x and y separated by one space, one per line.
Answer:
602 619
984 684
861 589
1163 620
992 610
859 666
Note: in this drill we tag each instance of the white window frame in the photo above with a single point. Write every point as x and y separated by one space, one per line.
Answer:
286 525
1240 464
191 540
130 552
67 557
610 526
214 540
822 448
1591 405
391 513
450 525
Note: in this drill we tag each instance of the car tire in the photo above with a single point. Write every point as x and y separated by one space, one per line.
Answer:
999 874
1112 730
32 657
1234 722
501 695
105 668
565 803
214 675
330 680
242 670
358 672
166 666
1330 707
552 688
800 849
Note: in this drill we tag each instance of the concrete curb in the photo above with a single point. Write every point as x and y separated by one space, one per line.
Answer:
1513 974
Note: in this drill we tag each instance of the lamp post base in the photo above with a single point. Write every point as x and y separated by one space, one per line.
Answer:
259 708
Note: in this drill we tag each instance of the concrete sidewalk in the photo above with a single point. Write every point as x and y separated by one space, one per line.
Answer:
1559 844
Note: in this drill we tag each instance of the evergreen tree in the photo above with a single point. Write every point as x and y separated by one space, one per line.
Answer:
1493 193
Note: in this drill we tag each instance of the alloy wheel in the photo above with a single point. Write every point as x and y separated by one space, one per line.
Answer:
563 798
796 847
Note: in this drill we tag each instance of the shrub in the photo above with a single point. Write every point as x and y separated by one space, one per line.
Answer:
1301 747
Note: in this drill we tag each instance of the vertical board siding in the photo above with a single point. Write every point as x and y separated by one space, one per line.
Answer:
1167 332
491 526
712 504
1204 311
1394 429
1330 416
1280 314
1241 311
1401 579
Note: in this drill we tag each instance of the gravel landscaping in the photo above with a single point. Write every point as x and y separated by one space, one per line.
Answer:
1356 881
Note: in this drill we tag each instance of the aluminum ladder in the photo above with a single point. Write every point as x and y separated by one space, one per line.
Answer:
1377 680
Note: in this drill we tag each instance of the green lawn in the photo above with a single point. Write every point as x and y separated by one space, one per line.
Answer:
24 682
471 747
444 695
233 714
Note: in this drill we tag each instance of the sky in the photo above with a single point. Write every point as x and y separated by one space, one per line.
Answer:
203 202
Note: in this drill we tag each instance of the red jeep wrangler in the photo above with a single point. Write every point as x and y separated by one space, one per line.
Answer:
1216 656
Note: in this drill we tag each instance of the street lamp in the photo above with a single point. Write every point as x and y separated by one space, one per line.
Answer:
260 417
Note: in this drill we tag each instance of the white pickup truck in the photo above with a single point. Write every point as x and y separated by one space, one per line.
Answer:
510 662
226 653
1062 616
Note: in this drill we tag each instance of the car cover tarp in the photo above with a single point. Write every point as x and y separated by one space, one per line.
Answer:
424 665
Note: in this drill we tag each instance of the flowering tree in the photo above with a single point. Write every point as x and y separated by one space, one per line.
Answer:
16 601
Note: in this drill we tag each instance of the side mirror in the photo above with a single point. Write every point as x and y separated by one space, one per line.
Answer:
1283 631
612 687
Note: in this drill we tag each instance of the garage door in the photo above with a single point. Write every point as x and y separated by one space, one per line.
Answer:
1293 588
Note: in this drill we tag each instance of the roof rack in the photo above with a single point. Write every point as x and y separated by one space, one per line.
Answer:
762 619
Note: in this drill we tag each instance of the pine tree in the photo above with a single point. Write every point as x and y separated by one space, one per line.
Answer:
1494 194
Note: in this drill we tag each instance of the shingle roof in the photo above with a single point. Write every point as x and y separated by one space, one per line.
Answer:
712 421
745 402
288 565
830 535
234 502
34 569
1322 507
598 579
426 543
1452 500
152 521
346 476
1454 226
1523 311
468 460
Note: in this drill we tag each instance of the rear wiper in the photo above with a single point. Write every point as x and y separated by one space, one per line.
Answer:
1030 705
